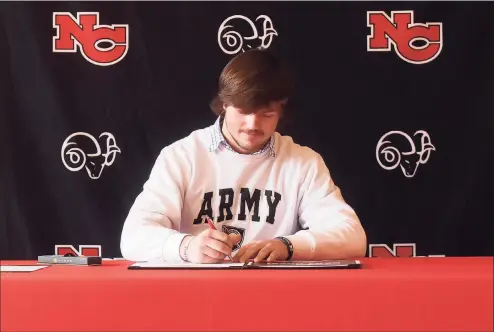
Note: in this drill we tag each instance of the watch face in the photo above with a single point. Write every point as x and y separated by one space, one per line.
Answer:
235 230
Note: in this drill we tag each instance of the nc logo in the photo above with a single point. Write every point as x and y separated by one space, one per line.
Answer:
85 33
401 32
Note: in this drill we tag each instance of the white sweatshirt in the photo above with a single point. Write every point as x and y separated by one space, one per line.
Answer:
259 196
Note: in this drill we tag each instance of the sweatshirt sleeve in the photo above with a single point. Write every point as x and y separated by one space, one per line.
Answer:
330 227
150 231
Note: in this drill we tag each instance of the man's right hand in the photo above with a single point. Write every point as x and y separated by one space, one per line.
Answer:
209 246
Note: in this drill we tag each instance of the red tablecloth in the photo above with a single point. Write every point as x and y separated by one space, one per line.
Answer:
394 294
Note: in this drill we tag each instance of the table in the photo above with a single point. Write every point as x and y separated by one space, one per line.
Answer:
387 294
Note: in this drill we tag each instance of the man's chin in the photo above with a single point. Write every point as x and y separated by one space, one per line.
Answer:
251 148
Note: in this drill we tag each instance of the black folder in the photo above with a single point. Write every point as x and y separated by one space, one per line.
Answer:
250 265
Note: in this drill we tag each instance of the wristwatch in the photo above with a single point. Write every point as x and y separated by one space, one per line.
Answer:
288 245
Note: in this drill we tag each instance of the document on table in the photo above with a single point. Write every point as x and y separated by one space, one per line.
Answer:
183 265
21 268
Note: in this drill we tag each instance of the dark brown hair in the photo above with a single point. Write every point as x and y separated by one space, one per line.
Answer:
251 80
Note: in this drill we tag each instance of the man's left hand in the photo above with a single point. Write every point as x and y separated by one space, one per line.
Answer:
270 250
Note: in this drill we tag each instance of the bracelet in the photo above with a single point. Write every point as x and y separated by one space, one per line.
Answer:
185 256
288 245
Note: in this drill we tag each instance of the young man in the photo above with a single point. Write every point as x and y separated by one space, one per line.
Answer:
269 198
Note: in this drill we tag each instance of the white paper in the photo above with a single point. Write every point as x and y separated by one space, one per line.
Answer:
21 268
185 265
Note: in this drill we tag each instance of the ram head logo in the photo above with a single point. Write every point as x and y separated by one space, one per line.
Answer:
396 148
231 41
82 150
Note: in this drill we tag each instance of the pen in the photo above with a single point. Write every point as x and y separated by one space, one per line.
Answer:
211 225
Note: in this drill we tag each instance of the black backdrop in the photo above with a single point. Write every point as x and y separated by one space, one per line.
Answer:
347 98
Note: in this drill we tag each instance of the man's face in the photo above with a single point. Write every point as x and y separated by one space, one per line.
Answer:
252 130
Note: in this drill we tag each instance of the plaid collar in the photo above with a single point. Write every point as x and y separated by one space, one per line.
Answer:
218 139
